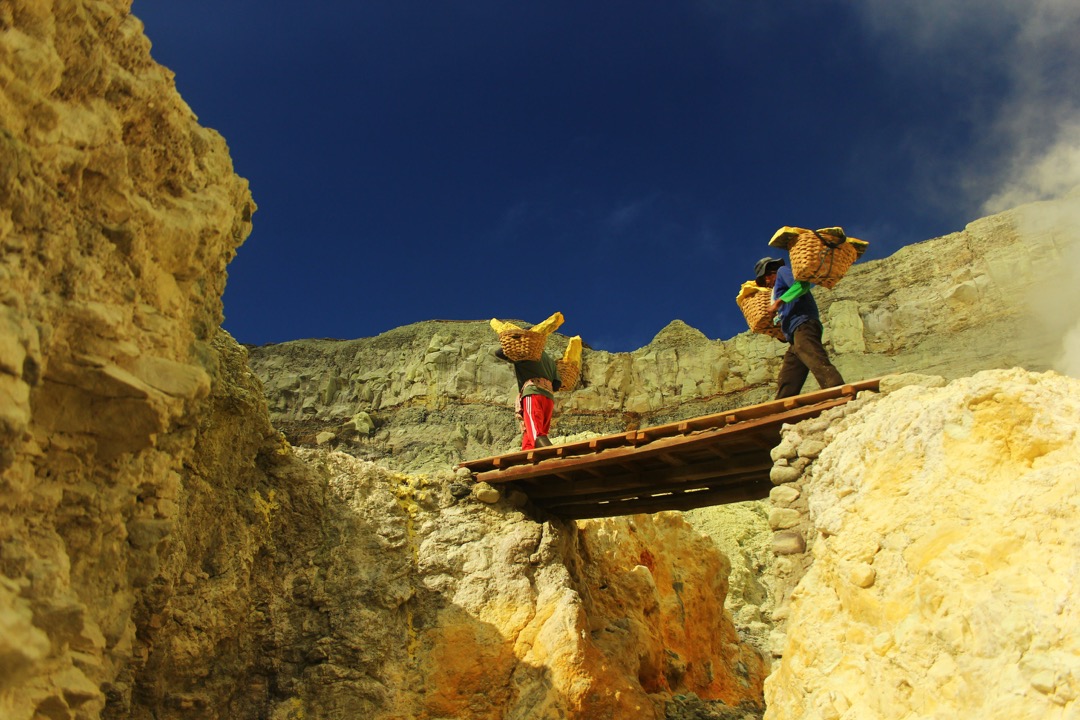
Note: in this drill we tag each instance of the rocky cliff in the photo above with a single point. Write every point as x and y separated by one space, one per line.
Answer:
422 396
944 555
165 553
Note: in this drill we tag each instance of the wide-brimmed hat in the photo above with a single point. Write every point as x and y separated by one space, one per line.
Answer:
764 266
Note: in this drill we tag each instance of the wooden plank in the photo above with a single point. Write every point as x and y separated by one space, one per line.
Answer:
771 406
738 476
686 501
719 452
607 441
748 412
623 483
672 459
716 420
619 454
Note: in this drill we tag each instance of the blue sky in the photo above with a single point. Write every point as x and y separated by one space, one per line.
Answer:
622 162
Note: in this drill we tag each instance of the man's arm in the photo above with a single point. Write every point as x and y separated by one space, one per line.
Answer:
788 294
800 288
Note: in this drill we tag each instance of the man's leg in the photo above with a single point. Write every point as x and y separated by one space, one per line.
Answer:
528 422
545 408
807 344
536 412
793 374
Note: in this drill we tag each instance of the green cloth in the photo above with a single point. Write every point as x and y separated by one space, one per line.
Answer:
800 288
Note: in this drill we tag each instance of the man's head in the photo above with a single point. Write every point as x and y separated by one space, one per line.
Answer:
765 271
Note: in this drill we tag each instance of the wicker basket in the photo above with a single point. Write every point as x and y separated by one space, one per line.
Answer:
569 373
520 344
821 258
754 302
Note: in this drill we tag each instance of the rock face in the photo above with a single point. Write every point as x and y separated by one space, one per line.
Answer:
418 397
118 214
945 560
165 554
434 607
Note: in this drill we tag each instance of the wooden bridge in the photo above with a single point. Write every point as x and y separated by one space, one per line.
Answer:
710 460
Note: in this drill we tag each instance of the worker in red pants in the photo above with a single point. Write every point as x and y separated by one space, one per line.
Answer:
537 380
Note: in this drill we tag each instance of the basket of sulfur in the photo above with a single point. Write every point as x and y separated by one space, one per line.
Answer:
569 366
520 344
754 301
821 257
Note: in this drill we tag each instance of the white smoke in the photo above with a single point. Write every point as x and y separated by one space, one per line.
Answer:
1046 173
1027 135
1017 62
1055 307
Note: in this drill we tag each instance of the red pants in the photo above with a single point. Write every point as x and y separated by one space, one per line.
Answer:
536 411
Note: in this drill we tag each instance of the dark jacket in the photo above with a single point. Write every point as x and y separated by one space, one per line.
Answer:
526 370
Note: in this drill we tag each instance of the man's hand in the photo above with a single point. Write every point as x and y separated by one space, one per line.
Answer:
775 306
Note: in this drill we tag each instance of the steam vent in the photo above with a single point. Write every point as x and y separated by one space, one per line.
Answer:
191 528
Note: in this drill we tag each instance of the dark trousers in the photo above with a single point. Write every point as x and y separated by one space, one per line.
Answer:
806 355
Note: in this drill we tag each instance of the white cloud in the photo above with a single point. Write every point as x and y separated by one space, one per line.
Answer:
1028 131
1042 172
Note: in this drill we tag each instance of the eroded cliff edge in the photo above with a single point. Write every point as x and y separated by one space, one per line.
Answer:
993 295
163 553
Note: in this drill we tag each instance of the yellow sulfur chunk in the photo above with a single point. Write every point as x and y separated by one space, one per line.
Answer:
750 287
545 328
573 351
786 235
550 325
500 327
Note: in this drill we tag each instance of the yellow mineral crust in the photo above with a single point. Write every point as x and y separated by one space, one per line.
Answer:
945 584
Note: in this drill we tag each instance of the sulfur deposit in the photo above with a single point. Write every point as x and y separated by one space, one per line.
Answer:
163 551
946 563
166 553
440 608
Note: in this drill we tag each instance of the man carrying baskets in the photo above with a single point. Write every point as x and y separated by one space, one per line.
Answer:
537 375
801 325
537 380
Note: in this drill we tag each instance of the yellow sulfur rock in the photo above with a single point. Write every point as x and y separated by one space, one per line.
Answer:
500 327
749 289
573 351
550 325
544 328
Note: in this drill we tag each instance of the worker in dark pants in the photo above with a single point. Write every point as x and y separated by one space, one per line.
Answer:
801 325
